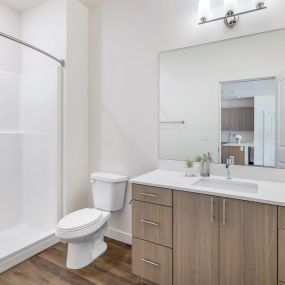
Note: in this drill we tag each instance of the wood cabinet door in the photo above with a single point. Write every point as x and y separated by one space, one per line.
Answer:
247 243
260 243
234 119
230 242
246 119
236 151
152 262
195 236
152 223
225 120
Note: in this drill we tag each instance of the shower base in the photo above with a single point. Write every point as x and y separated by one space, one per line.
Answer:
21 242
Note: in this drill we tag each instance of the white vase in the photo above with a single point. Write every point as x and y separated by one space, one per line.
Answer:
190 172
197 165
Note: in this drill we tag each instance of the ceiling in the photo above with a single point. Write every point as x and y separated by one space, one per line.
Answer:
22 5
248 89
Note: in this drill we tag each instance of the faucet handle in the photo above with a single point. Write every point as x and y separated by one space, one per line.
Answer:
229 162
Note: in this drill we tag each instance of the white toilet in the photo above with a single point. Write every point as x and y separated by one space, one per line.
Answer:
84 230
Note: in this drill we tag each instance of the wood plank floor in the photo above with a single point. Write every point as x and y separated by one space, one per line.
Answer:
48 268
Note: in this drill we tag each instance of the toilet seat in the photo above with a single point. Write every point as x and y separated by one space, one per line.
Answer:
80 219
82 223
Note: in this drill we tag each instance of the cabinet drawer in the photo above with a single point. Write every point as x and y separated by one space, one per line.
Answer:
152 223
281 255
281 218
153 195
152 262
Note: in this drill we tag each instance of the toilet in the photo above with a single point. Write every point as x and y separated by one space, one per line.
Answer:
84 230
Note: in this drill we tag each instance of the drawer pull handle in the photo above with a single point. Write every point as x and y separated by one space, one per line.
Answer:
150 223
149 195
212 209
224 212
150 262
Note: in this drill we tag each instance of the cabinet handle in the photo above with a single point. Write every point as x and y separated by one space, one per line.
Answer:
224 212
212 210
149 195
149 222
150 262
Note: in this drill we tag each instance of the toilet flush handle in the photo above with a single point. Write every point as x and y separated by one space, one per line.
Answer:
92 181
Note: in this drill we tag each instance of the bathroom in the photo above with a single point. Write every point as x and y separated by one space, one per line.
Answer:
107 111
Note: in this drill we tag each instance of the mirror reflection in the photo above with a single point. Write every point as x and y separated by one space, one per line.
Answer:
226 98
248 119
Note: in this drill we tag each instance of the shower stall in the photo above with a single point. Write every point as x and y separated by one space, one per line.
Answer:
30 152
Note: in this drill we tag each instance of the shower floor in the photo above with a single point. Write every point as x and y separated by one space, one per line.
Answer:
19 237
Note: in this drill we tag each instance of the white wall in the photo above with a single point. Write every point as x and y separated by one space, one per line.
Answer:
247 136
76 171
45 27
125 39
59 27
9 101
10 53
10 136
10 180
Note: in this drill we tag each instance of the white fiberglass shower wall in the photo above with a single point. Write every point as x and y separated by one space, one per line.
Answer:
30 131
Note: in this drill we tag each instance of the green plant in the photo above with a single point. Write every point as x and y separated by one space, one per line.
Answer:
198 158
189 163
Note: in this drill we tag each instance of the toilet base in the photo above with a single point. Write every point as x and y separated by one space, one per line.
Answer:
83 253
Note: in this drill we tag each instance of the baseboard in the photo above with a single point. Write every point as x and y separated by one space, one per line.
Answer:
119 235
27 252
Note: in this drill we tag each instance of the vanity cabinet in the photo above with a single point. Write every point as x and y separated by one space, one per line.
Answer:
238 152
152 234
195 239
152 223
281 245
247 243
223 241
199 239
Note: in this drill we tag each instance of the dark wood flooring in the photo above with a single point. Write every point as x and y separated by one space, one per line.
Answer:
48 268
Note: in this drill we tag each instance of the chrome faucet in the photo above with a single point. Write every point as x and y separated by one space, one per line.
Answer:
230 137
228 167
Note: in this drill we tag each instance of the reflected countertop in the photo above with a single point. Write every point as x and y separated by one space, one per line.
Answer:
242 144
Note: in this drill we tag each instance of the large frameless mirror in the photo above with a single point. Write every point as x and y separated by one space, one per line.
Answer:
227 98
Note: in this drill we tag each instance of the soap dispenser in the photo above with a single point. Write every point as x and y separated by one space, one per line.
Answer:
206 165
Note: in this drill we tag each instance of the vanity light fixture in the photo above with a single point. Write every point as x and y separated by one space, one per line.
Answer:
231 17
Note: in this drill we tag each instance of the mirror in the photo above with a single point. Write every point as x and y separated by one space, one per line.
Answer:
227 98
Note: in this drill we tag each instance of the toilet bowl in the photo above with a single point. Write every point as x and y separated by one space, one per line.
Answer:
84 230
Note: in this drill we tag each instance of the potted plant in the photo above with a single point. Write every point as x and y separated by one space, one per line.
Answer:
190 170
198 159
197 163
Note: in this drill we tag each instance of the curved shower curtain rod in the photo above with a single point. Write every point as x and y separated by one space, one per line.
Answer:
61 61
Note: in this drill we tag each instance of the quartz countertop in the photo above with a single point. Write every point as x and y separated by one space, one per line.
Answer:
242 144
268 192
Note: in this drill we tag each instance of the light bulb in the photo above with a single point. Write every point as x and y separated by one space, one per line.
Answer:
230 6
258 4
204 10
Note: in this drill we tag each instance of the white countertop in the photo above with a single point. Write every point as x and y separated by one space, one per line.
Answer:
242 144
268 192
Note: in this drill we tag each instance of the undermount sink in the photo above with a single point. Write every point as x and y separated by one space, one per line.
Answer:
225 184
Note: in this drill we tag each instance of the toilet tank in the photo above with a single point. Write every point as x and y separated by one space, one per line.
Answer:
108 190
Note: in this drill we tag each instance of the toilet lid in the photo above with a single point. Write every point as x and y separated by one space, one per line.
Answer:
80 219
